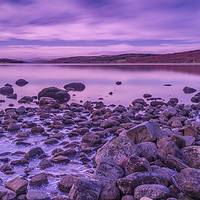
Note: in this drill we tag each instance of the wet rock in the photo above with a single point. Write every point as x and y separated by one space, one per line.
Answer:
146 132
39 180
6 168
45 163
12 96
75 86
191 131
37 129
118 83
7 90
37 195
148 150
172 102
20 162
137 164
116 148
17 185
189 90
110 193
138 101
192 156
66 183
26 99
178 140
21 82
156 103
147 95
188 181
60 159
6 194
153 191
128 184
13 127
91 139
61 95
51 141
48 101
109 123
85 188
128 197
34 152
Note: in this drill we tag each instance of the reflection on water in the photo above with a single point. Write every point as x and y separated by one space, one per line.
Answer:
100 80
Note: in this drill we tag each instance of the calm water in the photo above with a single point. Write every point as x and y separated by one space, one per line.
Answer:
100 80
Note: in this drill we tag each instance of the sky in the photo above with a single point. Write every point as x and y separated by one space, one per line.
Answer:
62 28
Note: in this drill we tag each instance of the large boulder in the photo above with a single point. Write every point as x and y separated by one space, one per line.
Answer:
188 181
53 92
75 86
145 132
6 90
128 184
85 188
116 148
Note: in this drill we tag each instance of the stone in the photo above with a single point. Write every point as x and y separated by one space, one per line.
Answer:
34 152
128 197
145 132
21 82
116 148
192 156
188 90
173 102
37 195
188 181
178 140
51 141
13 127
47 101
110 193
156 103
85 188
26 99
6 194
7 90
12 96
55 93
128 184
37 129
109 123
75 86
118 83
45 163
60 159
153 191
39 180
66 183
91 139
190 131
18 185
138 101
147 95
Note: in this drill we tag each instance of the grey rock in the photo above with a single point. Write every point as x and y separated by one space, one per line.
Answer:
109 123
188 90
6 194
66 183
7 90
45 163
85 188
91 139
13 127
39 180
34 152
21 82
75 86
37 195
47 101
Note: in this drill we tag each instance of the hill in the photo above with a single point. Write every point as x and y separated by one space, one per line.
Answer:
182 57
6 60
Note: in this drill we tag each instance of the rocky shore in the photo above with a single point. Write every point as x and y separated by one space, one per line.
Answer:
90 151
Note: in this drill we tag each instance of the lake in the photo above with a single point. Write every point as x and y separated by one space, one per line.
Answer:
137 79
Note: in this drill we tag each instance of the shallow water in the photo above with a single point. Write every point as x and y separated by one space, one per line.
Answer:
100 80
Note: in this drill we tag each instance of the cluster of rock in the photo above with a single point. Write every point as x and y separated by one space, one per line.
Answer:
154 152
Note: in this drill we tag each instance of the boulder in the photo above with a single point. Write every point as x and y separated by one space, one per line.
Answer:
55 93
75 86
37 129
6 194
66 183
91 139
128 184
34 152
60 159
13 127
153 191
85 188
188 90
39 180
138 101
7 90
12 96
21 82
48 101
37 195
45 163
188 181
192 156
26 99
109 123
116 148
17 185
145 132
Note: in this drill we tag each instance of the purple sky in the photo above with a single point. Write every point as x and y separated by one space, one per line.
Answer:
62 28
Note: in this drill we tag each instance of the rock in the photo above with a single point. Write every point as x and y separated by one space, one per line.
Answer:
48 101
53 92
137 164
109 123
26 99
51 141
138 101
45 163
145 132
12 96
188 181
190 131
169 112
156 103
91 139
75 86
172 102
17 185
128 184
192 156
60 159
21 82
148 150
153 191
6 194
37 129
116 148
85 188
147 95
34 152
39 180
37 195
128 197
110 193
118 83
66 183
178 140
7 90
13 127
189 90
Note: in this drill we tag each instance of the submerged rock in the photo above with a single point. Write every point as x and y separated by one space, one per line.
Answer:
189 90
75 86
21 82
7 90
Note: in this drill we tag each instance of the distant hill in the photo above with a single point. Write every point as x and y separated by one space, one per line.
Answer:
6 60
182 57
